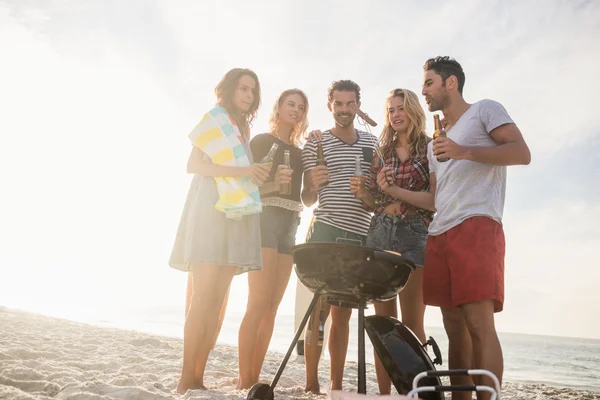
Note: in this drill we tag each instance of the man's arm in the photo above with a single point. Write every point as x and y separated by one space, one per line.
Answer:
313 179
511 149
309 196
368 200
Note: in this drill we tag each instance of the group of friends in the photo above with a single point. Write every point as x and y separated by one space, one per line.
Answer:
438 202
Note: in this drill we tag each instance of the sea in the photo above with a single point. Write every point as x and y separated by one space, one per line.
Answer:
557 361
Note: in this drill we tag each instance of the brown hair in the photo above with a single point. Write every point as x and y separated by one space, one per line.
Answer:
225 91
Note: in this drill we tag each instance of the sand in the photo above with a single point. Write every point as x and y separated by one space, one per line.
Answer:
50 358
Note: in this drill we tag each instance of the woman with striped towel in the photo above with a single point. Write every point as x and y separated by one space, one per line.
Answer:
219 232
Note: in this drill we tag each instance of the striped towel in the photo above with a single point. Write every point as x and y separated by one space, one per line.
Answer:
218 136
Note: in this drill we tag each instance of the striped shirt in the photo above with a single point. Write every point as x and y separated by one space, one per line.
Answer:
337 205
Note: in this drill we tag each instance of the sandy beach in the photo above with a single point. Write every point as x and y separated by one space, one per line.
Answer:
49 358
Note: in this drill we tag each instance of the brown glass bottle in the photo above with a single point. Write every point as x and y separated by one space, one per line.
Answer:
321 160
439 132
268 159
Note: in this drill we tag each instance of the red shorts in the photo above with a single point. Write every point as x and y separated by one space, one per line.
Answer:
465 265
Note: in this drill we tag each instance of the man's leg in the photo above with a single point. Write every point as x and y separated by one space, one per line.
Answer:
338 344
459 348
476 257
312 350
487 352
317 232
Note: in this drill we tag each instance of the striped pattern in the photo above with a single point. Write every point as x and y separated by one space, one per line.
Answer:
218 136
337 205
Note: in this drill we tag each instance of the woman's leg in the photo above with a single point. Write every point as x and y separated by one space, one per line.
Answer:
210 285
260 288
282 277
386 309
412 306
188 300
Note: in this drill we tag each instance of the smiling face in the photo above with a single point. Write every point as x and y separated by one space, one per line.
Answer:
292 109
244 94
343 105
396 114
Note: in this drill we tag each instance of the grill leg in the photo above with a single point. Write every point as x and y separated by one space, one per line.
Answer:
362 372
313 303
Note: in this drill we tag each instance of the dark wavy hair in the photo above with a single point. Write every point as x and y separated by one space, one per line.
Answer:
344 85
225 91
446 67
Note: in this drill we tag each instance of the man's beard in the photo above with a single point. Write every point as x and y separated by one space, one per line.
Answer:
440 103
344 122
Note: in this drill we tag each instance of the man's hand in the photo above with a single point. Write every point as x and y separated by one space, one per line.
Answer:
447 148
318 176
357 186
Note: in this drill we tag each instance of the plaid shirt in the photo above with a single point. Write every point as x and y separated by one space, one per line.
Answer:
412 174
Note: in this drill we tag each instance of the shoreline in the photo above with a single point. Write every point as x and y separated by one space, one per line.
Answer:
52 358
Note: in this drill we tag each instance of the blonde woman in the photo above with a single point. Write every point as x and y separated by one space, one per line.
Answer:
279 222
403 207
218 237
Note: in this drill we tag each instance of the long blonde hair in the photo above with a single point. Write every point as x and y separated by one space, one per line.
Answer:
300 127
417 138
225 91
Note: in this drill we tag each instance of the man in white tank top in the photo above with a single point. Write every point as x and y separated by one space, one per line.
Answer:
464 257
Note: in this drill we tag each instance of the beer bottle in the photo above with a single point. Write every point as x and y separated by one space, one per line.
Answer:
439 132
286 188
358 173
357 167
268 159
321 159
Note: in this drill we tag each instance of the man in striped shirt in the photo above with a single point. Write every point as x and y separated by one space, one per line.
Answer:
339 216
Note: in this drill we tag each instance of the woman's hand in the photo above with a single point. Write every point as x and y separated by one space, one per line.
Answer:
260 173
283 175
384 177
315 136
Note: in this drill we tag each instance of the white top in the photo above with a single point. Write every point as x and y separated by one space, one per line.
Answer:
466 188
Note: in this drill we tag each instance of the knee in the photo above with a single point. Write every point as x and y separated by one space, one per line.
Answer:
258 307
340 317
480 327
413 317
454 323
271 311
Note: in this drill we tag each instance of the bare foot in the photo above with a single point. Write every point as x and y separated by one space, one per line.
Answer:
244 385
185 385
199 385
314 389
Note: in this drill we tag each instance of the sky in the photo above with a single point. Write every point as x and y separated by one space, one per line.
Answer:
98 98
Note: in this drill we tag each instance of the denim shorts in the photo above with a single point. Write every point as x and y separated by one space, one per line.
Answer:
407 236
278 228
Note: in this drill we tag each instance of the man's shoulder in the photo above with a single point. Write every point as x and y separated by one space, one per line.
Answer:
369 138
488 104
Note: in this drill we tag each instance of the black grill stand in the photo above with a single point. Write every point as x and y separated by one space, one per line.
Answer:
263 391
